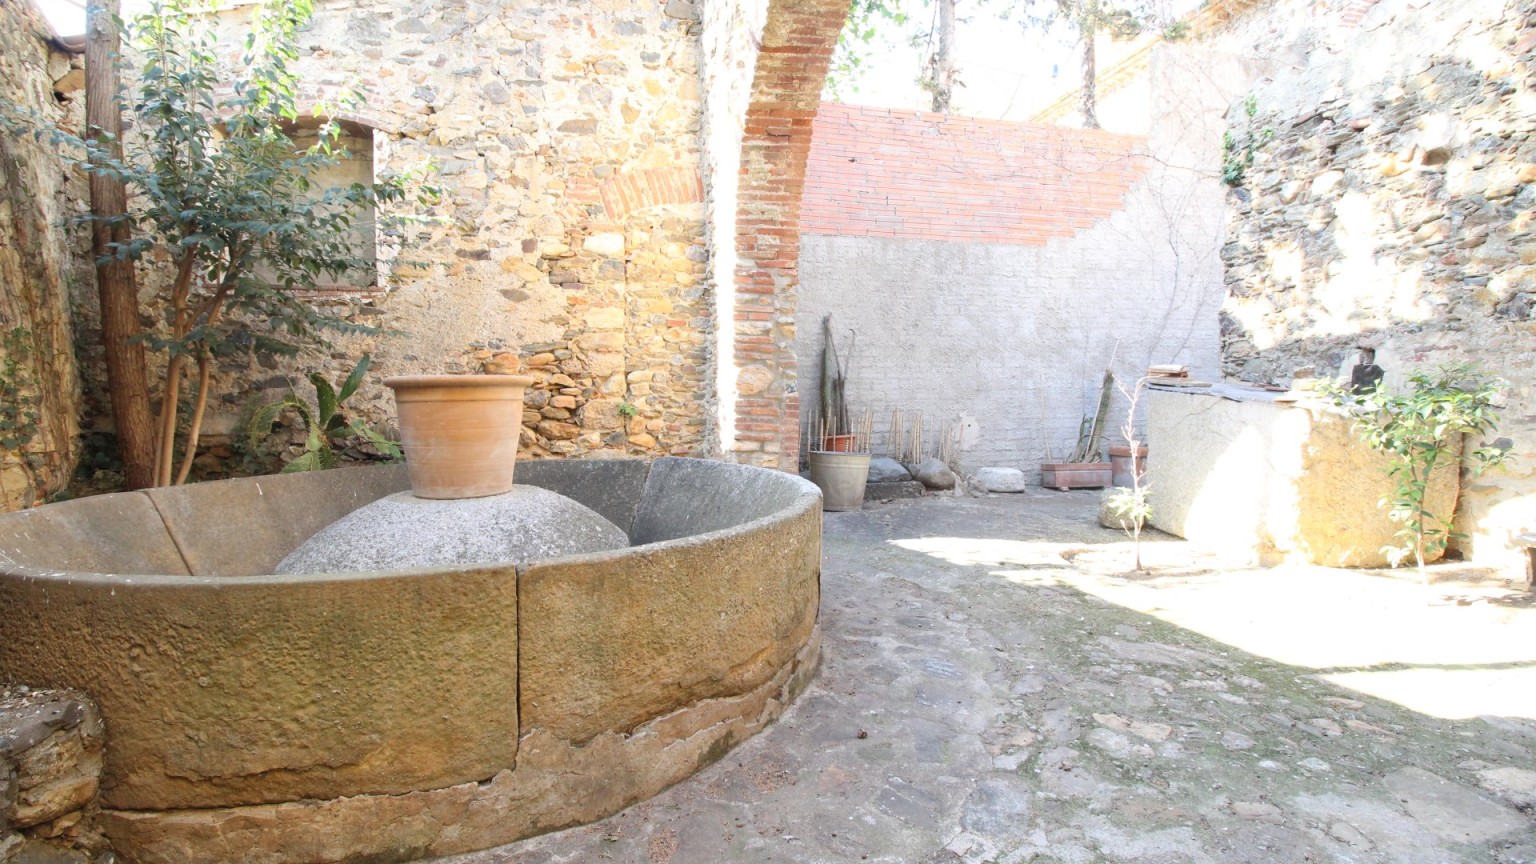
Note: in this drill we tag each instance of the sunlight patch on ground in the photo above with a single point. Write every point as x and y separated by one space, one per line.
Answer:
1470 651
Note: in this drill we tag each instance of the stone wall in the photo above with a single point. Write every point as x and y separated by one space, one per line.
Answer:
570 243
1390 206
991 270
50 771
601 218
574 238
40 261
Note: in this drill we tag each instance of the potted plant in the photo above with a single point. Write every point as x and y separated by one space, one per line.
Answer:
459 432
1085 469
840 465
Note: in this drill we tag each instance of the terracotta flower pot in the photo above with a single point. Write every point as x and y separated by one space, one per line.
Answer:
1120 462
1075 475
837 444
459 432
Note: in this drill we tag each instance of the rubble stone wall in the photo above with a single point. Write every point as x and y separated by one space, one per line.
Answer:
41 258
1389 205
570 243
50 771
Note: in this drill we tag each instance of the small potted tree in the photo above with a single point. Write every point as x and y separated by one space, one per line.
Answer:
839 455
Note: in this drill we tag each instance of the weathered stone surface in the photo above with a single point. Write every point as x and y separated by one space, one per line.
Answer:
1515 785
1001 479
964 648
39 258
753 380
555 785
894 490
884 469
236 666
270 518
1430 182
402 531
609 244
101 534
50 770
1272 482
238 674
720 636
934 474
1450 810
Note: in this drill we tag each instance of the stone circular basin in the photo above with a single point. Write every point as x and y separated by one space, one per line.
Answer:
389 716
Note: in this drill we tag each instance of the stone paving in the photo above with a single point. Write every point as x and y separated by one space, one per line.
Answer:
997 687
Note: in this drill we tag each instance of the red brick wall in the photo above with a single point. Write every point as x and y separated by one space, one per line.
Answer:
878 172
797 44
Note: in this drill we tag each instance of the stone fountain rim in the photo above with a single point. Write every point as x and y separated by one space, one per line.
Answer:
809 496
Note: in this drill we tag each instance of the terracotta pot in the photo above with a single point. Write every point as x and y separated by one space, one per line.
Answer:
1120 463
837 444
459 432
1075 475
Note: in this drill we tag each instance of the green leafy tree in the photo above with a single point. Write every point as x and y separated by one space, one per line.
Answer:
226 199
1420 430
867 21
1089 18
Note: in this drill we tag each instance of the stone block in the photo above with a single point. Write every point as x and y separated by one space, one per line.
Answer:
884 469
893 490
261 521
1272 482
934 474
101 534
609 244
1001 479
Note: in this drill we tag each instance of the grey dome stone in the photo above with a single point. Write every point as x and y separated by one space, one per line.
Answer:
401 531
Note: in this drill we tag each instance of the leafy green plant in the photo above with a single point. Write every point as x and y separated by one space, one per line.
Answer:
1237 151
1420 430
223 196
324 424
866 20
626 410
1176 31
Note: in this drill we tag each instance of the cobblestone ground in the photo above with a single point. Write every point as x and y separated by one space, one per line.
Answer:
997 687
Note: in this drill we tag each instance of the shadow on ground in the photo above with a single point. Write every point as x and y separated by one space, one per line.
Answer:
997 688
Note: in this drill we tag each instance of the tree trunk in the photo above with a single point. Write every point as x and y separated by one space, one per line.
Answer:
943 60
1090 100
116 285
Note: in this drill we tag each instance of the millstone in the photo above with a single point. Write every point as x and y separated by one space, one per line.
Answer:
402 531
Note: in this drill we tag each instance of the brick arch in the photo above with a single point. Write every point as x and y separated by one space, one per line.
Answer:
631 191
760 416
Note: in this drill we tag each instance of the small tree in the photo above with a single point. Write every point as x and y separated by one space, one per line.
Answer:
225 198
1132 505
1421 430
1089 18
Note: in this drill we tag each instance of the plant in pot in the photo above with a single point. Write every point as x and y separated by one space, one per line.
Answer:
1084 469
839 457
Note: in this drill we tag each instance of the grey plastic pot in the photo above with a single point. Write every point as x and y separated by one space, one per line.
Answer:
841 477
